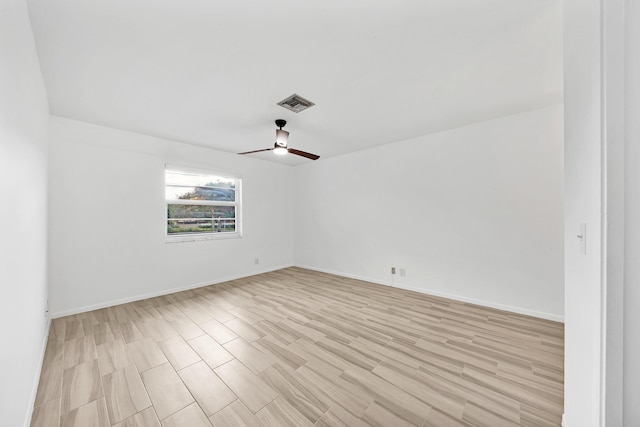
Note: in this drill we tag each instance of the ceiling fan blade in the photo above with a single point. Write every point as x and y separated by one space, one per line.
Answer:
303 154
257 151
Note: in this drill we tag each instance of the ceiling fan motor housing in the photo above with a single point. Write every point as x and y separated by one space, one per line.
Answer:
282 136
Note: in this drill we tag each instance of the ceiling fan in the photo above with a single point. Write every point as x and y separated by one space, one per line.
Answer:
280 146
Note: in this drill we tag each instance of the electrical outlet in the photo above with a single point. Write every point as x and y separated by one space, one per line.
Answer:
256 261
403 272
46 309
393 270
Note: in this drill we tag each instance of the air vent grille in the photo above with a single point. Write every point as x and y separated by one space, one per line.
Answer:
296 103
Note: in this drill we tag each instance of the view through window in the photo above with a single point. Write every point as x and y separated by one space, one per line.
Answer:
201 203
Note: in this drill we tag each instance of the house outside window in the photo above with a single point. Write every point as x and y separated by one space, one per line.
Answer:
201 204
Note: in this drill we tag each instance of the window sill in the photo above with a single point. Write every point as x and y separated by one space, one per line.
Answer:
201 237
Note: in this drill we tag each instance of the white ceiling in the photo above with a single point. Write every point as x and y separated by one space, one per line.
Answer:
210 72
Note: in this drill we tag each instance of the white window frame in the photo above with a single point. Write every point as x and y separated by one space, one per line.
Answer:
193 237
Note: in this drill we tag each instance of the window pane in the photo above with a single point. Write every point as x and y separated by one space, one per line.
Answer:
220 194
199 187
200 219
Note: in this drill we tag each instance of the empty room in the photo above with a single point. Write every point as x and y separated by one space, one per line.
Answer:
414 213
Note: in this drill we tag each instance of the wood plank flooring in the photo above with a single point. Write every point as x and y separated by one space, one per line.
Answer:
300 348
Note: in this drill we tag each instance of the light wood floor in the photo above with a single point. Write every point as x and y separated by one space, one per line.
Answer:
300 348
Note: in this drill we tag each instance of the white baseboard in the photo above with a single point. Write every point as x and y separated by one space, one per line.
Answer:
36 383
504 307
512 309
112 303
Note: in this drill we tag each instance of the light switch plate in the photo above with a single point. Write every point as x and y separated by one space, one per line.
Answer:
582 238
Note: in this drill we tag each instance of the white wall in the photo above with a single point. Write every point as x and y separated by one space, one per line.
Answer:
23 165
107 218
632 215
583 180
602 105
475 213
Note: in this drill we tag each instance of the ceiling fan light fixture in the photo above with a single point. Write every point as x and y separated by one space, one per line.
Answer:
279 150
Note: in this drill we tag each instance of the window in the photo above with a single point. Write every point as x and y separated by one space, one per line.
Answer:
201 204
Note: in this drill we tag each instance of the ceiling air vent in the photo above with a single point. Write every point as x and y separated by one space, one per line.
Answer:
296 103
